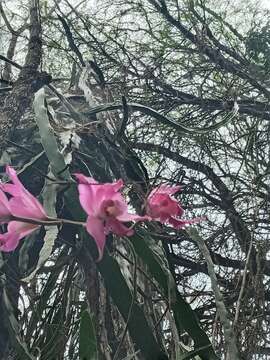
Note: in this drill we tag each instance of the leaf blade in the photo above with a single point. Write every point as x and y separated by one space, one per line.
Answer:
87 337
183 313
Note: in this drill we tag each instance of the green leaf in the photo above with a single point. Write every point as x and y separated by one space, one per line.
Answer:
117 287
186 318
138 326
48 139
87 337
155 266
184 315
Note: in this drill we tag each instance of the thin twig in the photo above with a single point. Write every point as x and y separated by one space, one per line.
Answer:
238 304
162 316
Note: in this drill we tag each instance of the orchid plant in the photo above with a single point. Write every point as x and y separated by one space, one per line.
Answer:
105 206
106 209
22 206
162 207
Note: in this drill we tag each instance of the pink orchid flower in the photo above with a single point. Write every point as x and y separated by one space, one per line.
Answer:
162 207
5 214
21 205
106 209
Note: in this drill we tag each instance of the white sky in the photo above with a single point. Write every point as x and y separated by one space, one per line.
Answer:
266 4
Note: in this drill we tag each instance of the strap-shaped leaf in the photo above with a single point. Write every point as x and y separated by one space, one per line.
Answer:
138 326
87 337
117 287
184 315
48 139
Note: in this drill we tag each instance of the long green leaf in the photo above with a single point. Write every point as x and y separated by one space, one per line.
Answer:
48 139
184 315
117 287
87 338
139 329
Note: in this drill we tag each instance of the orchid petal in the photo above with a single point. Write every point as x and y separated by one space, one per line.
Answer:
108 192
9 241
11 189
87 198
23 202
4 208
16 231
28 209
92 194
118 228
21 228
106 209
161 206
96 229
13 176
82 179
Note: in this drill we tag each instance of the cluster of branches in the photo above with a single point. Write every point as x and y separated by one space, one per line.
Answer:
150 91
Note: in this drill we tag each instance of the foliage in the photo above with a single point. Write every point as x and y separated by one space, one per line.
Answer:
150 91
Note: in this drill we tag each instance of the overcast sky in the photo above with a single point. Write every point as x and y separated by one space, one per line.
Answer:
266 3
